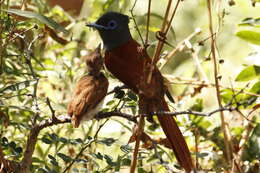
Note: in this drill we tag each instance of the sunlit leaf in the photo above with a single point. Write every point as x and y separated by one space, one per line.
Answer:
249 73
249 36
39 17
250 22
198 105
255 88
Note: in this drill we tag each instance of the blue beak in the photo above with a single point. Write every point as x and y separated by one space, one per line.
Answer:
96 26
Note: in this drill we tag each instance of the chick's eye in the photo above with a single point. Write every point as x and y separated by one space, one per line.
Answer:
112 24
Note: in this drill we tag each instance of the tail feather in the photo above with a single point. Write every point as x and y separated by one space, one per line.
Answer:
176 139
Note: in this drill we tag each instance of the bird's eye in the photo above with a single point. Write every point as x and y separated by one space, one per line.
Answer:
112 24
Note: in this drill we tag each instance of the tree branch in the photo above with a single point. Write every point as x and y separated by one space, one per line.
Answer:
102 115
34 132
32 139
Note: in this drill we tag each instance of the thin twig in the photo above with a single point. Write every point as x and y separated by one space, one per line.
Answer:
181 81
148 24
199 67
102 115
132 118
227 138
34 75
196 136
85 147
140 129
136 25
117 88
179 45
173 14
51 109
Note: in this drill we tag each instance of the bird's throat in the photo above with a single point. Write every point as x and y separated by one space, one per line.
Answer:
113 40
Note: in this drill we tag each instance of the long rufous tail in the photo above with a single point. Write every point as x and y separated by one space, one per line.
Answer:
176 139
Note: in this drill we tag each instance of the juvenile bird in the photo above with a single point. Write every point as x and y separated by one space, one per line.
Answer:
89 92
126 61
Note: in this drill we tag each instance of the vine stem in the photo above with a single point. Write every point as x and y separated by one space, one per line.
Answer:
148 24
227 136
163 33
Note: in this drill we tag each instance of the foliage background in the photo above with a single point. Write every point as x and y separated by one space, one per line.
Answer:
38 61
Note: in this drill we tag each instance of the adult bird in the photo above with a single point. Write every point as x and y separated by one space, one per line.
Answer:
90 90
128 62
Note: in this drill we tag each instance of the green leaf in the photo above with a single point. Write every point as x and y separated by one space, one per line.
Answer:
110 102
249 73
12 144
81 160
252 150
54 137
98 156
51 157
119 94
132 96
255 88
18 86
109 160
141 170
55 163
46 140
249 36
63 140
198 105
250 22
126 148
126 162
107 141
53 160
18 150
4 141
43 19
75 170
202 154
76 141
64 157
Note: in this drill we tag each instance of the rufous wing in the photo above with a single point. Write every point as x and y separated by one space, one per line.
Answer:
89 92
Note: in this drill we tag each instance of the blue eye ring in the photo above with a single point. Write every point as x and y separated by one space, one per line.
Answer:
112 24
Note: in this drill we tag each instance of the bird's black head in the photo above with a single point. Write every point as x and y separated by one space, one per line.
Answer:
113 29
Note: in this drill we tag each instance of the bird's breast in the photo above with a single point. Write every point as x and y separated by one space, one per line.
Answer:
126 63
